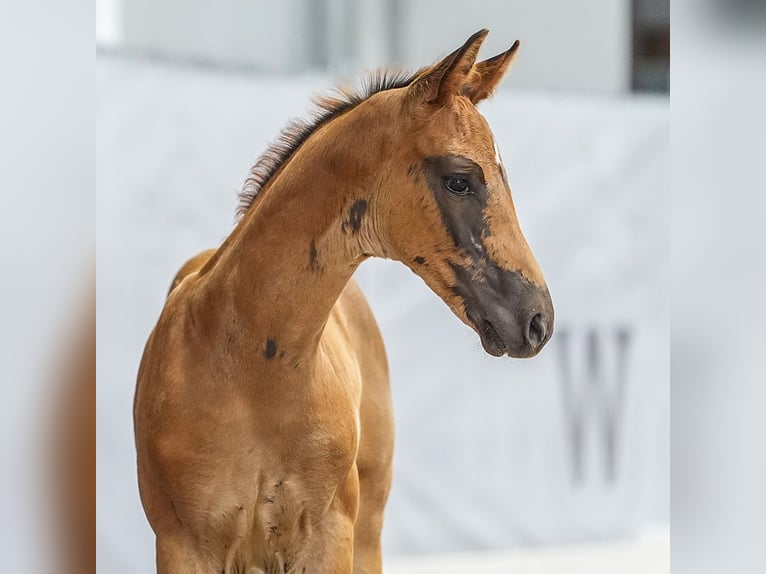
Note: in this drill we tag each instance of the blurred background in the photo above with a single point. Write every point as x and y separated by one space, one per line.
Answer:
561 462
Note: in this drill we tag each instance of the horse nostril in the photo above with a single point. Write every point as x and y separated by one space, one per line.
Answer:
536 331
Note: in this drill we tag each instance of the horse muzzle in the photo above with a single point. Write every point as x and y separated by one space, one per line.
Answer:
519 339
511 315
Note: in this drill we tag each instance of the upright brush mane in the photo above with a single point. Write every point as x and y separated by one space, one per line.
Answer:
297 131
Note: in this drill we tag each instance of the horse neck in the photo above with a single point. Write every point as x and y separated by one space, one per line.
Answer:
278 275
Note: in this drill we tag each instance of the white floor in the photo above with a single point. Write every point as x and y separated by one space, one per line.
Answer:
650 555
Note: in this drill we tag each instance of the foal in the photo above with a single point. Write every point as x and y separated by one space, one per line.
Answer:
262 413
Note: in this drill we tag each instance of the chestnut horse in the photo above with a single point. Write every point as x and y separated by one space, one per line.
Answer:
262 414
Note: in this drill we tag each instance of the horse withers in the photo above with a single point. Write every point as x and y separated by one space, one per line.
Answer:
263 420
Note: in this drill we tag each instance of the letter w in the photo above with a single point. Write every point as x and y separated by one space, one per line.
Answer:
592 402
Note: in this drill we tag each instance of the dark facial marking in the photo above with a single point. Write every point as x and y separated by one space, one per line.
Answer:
419 260
498 303
355 214
313 263
508 288
494 299
271 349
462 216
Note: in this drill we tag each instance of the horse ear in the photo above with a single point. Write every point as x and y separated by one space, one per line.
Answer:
446 79
486 75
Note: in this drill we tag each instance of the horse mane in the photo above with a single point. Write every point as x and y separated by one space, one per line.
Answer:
326 107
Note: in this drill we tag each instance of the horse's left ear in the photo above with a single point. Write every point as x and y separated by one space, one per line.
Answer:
444 80
486 76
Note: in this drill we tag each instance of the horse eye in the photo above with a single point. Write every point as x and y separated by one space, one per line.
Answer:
457 185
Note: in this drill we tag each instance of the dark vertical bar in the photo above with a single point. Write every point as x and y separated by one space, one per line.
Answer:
395 35
635 52
318 14
650 45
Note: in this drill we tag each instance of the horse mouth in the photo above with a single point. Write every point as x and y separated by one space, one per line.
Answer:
495 345
490 339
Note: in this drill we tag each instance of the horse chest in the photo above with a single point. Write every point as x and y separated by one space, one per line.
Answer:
311 471
299 492
316 431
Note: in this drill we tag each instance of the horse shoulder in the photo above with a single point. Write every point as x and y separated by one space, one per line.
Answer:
376 443
363 330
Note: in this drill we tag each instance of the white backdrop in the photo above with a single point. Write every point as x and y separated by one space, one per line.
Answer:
582 46
486 456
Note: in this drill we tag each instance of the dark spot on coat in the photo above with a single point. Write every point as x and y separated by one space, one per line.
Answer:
313 263
419 260
271 348
355 215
